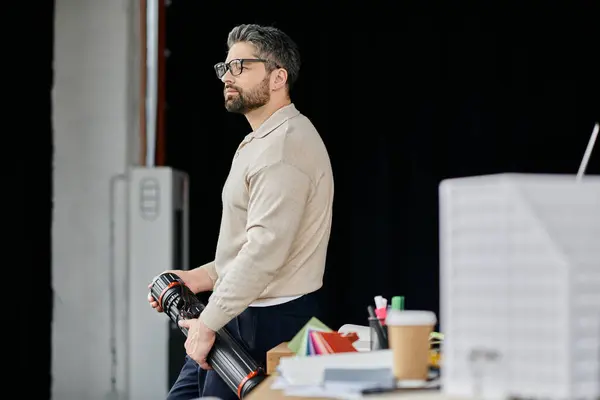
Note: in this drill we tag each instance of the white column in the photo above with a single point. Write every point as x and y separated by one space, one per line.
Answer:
95 117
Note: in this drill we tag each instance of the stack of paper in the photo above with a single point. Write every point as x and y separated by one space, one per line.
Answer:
339 375
342 375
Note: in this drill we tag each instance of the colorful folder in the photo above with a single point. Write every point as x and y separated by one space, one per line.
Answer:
299 344
316 338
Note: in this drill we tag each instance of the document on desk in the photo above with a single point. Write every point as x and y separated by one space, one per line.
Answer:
338 375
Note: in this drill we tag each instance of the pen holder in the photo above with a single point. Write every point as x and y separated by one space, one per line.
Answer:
378 334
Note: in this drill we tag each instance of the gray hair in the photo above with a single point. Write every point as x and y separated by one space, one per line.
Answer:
271 44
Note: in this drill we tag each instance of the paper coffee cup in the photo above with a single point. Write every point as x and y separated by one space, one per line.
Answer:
408 337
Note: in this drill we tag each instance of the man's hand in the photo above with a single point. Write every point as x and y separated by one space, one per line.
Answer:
200 340
197 280
183 275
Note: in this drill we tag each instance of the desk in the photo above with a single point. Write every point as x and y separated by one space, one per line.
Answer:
264 392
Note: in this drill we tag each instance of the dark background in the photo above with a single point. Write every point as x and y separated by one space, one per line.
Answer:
403 100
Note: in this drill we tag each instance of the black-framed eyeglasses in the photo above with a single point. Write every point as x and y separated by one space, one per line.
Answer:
236 66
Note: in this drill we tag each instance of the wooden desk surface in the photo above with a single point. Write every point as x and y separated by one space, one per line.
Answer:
264 392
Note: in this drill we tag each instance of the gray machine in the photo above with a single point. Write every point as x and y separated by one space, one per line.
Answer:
158 240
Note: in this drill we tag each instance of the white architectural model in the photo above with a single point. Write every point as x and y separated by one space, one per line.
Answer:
520 286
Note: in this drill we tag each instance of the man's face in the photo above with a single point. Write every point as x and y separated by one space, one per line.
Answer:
247 83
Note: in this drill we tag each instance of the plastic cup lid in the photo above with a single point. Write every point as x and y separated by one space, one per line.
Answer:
410 317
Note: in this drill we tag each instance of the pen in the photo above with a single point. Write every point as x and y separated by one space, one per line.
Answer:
380 390
378 328
390 389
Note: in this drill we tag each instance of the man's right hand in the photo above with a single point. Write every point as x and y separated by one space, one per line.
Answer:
184 275
197 280
153 303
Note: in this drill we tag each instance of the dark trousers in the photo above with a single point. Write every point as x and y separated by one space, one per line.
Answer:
259 329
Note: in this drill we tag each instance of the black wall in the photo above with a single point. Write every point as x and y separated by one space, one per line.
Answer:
27 257
403 100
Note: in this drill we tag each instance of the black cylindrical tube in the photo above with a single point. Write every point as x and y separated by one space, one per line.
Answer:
228 357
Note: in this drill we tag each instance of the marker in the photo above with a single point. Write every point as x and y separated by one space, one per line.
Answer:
381 307
398 303
380 302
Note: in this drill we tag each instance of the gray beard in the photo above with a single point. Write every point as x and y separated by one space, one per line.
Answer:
244 103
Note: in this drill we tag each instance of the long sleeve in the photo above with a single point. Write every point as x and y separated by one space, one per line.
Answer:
278 195
211 270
